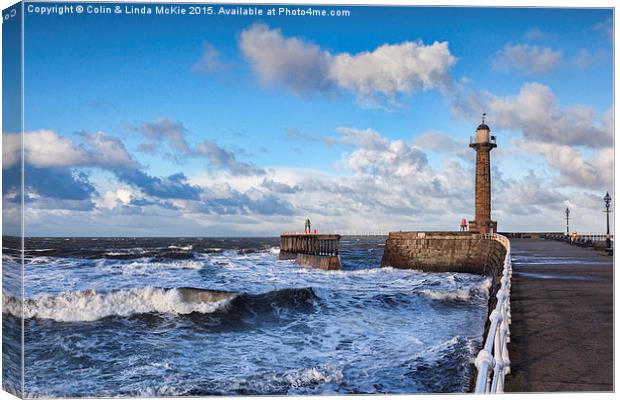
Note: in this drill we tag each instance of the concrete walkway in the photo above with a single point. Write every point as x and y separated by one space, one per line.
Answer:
562 318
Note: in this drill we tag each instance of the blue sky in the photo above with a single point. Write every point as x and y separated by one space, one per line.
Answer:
219 125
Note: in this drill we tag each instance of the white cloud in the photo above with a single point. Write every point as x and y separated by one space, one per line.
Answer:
439 142
393 69
389 185
388 71
536 34
42 148
574 169
606 27
575 141
536 112
11 149
588 201
526 196
526 59
220 158
296 64
586 58
47 149
210 61
112 199
164 130
377 155
107 152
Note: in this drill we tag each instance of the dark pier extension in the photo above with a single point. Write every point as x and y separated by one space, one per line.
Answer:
319 251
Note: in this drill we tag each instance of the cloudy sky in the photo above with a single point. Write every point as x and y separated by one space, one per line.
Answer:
219 125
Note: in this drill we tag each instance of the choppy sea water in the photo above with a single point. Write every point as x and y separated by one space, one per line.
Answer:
172 317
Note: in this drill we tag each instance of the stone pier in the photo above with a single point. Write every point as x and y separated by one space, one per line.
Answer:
444 252
318 251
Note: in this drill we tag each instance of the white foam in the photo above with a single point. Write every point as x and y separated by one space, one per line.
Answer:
183 264
89 305
143 266
162 391
313 375
126 252
185 248
458 294
485 286
435 351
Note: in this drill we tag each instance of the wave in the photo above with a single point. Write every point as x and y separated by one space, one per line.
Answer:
178 253
122 253
89 305
185 248
171 252
174 253
429 367
149 263
275 250
459 294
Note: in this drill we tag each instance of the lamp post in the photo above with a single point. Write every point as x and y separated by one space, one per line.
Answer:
607 200
567 214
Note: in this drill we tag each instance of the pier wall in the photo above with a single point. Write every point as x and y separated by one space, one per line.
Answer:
444 252
317 251
322 262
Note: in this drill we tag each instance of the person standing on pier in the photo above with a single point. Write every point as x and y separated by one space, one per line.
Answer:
307 226
463 225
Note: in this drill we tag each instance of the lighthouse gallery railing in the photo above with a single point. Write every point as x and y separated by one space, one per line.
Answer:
492 362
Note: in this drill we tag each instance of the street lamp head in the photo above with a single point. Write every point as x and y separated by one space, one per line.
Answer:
567 212
607 199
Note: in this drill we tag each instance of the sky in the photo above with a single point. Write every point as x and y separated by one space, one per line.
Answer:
219 125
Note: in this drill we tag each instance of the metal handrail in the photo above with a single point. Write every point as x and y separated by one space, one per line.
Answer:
595 237
492 362
341 233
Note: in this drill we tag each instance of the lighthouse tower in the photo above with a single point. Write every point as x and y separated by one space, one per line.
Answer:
483 143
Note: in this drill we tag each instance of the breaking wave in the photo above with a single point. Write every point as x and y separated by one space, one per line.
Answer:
184 248
89 305
144 264
458 294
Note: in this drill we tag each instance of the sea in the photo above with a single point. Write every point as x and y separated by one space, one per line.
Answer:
120 317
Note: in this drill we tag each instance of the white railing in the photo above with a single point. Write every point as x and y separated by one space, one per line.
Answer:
594 236
492 362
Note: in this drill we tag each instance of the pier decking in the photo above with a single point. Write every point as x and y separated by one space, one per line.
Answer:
562 318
